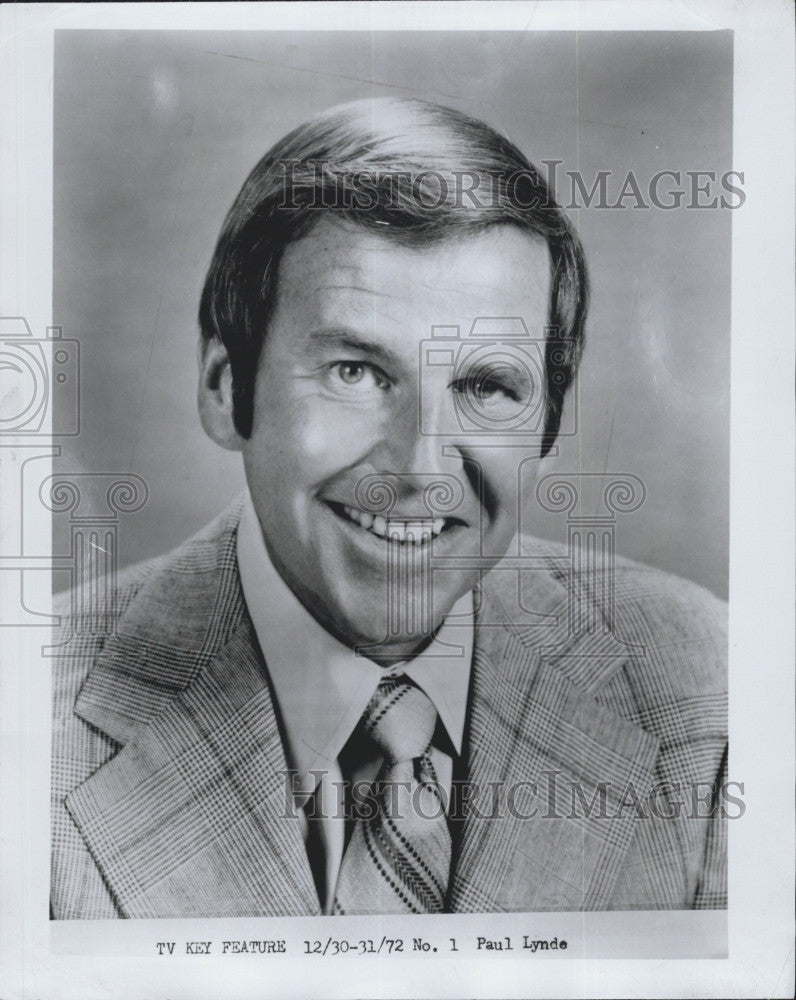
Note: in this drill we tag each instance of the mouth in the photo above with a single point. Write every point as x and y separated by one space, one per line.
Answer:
398 530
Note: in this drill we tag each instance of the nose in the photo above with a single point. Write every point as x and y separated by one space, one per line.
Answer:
414 448
419 467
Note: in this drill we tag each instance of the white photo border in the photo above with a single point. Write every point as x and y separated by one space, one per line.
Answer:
761 881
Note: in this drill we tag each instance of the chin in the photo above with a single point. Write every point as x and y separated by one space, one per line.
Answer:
396 650
398 638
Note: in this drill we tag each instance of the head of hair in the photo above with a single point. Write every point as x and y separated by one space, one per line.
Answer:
412 171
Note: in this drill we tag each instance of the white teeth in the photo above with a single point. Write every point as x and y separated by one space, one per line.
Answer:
416 532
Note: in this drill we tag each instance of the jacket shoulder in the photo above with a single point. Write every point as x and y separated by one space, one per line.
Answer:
89 615
679 629
673 631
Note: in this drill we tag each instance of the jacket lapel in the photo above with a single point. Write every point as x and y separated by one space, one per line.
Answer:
191 817
539 745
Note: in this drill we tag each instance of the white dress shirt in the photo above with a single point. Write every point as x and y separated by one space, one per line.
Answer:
322 687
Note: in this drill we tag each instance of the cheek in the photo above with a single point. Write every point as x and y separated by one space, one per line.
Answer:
310 440
332 436
511 481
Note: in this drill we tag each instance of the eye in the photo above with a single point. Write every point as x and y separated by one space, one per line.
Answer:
489 387
357 374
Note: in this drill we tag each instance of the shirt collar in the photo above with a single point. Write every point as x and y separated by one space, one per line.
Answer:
322 687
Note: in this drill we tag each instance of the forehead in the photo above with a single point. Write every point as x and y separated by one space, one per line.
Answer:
339 268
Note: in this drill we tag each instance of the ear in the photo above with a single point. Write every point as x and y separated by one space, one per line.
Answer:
215 395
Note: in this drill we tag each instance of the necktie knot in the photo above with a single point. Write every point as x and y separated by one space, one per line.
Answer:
400 719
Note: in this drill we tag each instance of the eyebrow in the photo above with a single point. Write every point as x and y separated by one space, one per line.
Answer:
350 340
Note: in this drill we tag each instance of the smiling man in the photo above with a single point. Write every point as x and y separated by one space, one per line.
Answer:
322 703
336 402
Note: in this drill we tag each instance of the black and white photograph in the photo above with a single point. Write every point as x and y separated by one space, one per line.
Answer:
376 547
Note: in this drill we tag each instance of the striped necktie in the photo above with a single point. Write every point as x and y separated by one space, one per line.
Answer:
398 860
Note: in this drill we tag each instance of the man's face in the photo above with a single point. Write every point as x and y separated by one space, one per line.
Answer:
345 391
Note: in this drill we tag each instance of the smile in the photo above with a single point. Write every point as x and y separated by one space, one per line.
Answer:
406 531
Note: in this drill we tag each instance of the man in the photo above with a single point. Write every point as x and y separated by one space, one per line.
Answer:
326 701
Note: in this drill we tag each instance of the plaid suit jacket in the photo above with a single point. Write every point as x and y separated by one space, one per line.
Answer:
168 792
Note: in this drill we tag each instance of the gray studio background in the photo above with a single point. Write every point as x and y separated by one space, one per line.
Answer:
155 132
